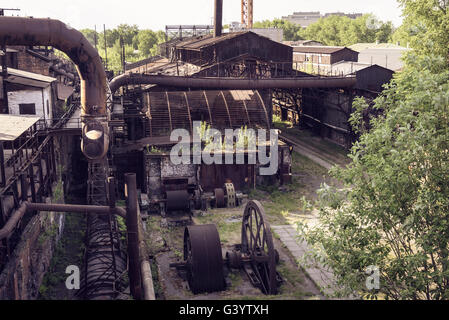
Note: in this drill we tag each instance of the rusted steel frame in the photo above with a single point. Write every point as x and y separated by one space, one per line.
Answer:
246 111
53 160
42 189
232 83
169 110
33 158
150 118
32 185
23 187
264 108
188 112
227 108
12 222
2 166
208 108
48 32
133 234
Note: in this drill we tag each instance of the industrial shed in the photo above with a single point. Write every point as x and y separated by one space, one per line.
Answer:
220 109
369 77
208 49
323 56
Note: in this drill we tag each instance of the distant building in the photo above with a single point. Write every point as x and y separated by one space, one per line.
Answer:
304 19
321 58
303 43
369 77
28 93
390 58
275 34
33 71
341 14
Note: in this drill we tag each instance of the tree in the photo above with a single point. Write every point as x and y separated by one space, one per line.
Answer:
343 31
90 35
427 25
392 209
291 30
138 44
128 34
146 40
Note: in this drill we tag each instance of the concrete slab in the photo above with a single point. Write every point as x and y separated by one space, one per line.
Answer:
322 277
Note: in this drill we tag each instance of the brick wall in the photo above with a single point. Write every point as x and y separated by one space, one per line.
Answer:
30 63
23 274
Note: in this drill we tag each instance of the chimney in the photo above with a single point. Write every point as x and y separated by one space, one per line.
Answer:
218 18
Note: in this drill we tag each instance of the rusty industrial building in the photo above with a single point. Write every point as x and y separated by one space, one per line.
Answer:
110 139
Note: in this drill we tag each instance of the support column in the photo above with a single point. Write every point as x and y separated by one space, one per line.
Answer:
2 166
132 216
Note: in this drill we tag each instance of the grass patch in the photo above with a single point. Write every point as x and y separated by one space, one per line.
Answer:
236 279
229 224
303 165
68 251
158 292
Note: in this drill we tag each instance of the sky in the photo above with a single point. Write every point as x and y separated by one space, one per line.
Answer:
155 14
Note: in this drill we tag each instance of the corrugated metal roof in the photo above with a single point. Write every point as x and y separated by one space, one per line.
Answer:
390 58
28 78
204 41
349 67
319 49
11 127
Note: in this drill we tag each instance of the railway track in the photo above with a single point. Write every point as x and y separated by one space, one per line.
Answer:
326 160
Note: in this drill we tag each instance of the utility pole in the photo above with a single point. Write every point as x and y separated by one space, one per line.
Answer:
95 37
105 47
122 53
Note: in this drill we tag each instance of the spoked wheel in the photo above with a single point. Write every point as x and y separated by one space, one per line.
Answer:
203 259
257 244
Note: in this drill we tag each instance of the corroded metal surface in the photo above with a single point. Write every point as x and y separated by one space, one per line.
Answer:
204 262
257 244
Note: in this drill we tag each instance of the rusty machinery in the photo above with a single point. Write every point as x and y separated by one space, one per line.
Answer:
203 265
179 194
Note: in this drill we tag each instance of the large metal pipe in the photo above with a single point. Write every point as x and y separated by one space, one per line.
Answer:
25 207
218 18
48 32
132 228
231 83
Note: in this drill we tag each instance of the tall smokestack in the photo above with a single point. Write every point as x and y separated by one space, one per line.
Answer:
218 18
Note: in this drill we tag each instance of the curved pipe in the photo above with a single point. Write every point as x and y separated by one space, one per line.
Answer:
25 207
231 83
48 32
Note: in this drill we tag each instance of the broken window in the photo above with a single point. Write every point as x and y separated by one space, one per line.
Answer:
27 108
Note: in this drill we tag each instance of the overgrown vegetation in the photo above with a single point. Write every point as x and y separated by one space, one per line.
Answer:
335 30
68 251
393 210
138 44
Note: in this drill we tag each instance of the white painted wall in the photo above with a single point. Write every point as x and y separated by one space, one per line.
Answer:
31 96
